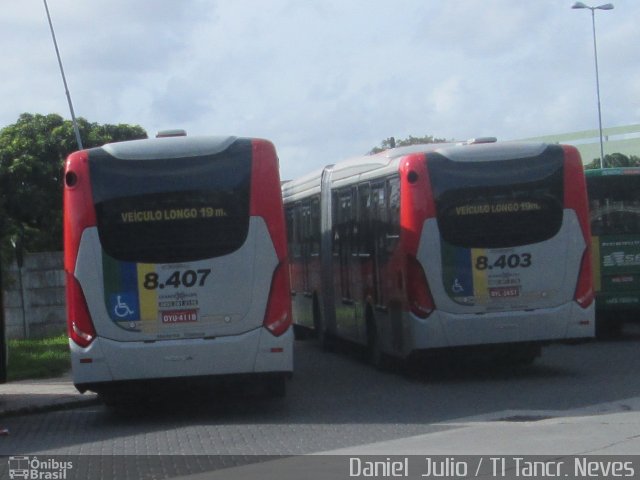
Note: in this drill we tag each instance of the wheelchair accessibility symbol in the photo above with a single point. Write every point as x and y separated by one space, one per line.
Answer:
121 309
123 306
456 287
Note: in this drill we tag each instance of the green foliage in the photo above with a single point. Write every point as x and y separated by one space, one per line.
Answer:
32 155
391 142
615 160
43 358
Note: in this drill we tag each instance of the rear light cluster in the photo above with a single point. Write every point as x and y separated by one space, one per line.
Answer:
79 324
584 294
79 215
418 292
266 202
575 198
278 316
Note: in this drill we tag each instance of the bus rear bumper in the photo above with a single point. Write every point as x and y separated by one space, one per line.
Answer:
107 361
443 330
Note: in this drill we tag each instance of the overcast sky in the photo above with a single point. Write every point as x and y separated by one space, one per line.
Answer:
324 79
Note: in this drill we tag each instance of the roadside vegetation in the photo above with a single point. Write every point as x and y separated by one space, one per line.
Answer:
39 358
32 155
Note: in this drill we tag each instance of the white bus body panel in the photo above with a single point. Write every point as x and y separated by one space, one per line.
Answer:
249 352
233 301
229 339
543 310
442 330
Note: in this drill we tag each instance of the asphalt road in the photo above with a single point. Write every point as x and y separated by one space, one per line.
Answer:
335 400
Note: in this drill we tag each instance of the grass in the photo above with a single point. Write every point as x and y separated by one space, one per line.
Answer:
38 358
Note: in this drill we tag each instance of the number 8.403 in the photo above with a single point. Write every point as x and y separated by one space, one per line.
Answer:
522 260
188 278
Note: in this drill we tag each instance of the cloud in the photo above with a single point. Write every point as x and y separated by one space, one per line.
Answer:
324 79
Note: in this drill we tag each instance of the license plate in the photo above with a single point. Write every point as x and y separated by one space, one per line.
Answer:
504 292
179 316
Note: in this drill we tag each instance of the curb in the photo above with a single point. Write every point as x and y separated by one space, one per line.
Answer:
56 405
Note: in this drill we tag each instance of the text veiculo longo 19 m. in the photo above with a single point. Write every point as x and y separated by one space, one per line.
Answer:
141 216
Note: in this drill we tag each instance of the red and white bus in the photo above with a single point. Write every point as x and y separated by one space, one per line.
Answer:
176 263
437 246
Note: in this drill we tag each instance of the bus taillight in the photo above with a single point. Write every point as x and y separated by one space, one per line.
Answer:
278 317
79 324
575 192
418 291
584 294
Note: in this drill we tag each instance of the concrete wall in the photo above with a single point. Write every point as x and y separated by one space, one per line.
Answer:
43 291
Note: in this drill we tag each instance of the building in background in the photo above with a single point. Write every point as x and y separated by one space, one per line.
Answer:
625 140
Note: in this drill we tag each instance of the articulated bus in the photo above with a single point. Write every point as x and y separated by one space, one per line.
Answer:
479 245
176 263
614 202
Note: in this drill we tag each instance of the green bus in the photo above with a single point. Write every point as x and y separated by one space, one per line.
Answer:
614 207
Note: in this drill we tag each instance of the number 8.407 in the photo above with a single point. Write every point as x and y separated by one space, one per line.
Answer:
188 278
522 260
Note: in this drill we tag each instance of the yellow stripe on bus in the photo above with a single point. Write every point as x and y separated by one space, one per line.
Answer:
148 298
480 284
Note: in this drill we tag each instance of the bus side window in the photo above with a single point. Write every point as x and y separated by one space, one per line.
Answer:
305 229
379 216
343 236
365 244
297 231
315 227
335 231
393 218
294 247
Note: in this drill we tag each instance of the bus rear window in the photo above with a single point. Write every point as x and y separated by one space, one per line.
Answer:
614 204
498 204
172 210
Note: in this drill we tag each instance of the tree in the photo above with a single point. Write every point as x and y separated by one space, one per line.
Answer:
615 160
391 142
32 155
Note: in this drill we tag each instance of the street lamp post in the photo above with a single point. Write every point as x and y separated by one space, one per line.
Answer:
606 6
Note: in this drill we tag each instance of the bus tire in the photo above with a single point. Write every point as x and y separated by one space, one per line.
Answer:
519 355
300 332
608 326
375 356
109 399
277 386
120 403
320 332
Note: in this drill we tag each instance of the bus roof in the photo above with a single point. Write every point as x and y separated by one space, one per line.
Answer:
307 184
168 147
389 159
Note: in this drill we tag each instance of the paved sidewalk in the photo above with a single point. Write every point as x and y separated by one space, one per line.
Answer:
608 428
27 396
605 429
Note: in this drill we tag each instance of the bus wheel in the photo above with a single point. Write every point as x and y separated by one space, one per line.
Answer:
300 333
519 355
120 402
376 357
276 386
608 326
321 334
108 398
528 355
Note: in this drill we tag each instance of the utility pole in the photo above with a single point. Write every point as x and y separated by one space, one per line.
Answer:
64 79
